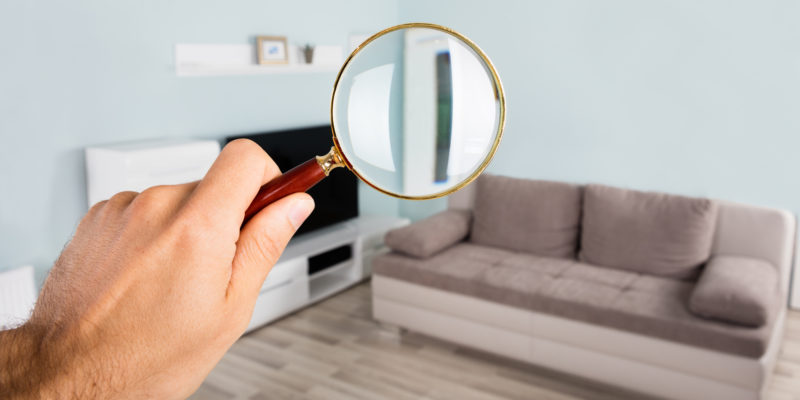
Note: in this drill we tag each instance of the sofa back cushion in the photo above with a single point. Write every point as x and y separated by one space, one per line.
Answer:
653 233
538 217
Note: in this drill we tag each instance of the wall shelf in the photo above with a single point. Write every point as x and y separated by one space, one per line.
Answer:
215 70
195 60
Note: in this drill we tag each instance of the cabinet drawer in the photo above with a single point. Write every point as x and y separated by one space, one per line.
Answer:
279 301
284 271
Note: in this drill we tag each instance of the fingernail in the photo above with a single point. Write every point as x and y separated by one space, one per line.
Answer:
300 210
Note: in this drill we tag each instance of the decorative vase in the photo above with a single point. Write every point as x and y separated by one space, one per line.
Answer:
308 53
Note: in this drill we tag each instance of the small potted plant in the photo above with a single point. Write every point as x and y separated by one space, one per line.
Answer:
308 53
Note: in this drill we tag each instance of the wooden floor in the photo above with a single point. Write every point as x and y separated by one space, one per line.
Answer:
334 350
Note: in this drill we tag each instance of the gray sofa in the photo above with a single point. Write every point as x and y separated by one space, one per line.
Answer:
674 296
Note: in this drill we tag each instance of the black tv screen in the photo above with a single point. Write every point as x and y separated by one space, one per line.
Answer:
336 196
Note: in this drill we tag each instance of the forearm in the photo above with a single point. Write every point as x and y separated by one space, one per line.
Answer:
30 367
19 372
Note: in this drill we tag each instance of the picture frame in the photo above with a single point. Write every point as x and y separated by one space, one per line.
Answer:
272 50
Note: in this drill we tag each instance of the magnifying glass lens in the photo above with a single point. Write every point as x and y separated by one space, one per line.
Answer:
416 112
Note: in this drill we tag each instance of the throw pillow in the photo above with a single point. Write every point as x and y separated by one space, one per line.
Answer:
429 236
741 290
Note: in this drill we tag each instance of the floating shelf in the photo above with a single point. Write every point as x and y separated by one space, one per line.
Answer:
216 70
240 59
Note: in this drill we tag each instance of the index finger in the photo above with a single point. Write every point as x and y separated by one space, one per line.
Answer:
232 182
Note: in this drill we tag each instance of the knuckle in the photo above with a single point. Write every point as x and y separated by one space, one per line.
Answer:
156 192
107 211
151 199
97 207
120 200
95 213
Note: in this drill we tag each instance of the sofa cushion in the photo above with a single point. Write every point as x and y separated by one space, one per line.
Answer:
537 217
618 299
455 268
609 277
431 235
510 285
545 265
653 233
737 289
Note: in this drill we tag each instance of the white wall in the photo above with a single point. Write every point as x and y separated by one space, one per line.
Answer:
685 96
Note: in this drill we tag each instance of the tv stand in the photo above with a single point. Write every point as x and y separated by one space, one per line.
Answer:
294 282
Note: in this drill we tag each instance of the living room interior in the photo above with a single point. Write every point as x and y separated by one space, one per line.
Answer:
634 235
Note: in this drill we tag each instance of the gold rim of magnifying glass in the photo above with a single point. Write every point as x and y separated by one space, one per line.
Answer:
498 91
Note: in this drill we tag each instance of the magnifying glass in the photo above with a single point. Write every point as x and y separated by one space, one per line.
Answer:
417 113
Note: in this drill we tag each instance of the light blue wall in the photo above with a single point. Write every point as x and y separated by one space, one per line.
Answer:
684 96
83 72
693 97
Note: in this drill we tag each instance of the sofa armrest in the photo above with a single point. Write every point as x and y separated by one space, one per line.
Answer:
741 290
429 236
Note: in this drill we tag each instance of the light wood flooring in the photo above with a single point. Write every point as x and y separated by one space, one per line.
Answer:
334 350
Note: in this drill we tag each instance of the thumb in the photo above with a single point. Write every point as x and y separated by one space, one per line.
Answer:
262 241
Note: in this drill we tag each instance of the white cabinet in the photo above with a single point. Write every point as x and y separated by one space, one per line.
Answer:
286 272
289 285
278 300
139 165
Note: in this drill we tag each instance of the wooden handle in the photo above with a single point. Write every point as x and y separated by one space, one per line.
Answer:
297 179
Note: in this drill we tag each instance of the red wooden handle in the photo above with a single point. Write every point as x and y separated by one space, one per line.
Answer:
297 179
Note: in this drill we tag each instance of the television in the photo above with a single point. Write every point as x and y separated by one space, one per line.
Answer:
336 196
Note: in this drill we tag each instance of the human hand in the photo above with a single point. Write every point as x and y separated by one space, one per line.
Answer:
154 287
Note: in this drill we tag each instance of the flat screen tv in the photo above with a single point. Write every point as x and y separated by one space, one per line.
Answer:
336 196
